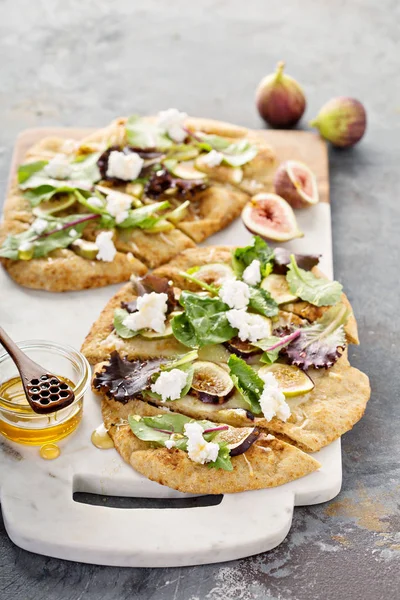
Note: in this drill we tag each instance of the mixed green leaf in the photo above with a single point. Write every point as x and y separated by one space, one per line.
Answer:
308 287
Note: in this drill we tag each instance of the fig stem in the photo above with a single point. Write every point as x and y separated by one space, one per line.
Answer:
279 70
314 122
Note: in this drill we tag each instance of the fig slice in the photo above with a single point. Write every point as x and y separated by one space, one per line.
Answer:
278 287
271 217
304 261
292 380
238 439
214 273
211 380
296 183
242 349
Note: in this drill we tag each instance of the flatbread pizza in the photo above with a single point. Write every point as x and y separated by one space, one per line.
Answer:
239 337
126 198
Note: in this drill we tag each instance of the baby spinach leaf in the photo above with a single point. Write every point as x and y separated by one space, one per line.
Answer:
124 332
203 322
143 134
28 169
45 192
247 382
308 287
258 250
174 422
146 432
318 345
262 302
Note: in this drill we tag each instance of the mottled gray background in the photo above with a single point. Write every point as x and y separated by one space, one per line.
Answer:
66 62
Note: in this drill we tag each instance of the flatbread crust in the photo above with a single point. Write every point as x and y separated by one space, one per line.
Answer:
268 463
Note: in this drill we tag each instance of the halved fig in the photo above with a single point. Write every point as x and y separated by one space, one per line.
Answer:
214 273
271 217
211 380
292 380
278 287
296 183
242 349
238 439
84 248
304 261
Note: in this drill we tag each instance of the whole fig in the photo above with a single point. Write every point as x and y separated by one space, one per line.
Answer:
342 121
280 99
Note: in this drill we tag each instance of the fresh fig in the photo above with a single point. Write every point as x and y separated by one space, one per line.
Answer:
238 439
342 121
292 380
304 261
296 183
214 273
271 217
280 99
242 349
211 382
278 287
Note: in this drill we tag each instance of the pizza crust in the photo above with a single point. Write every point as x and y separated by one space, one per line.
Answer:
268 463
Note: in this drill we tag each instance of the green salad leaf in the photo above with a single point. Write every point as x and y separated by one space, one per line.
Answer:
273 345
45 192
262 302
144 217
157 430
124 332
203 322
28 169
236 154
247 382
258 250
308 287
51 239
144 134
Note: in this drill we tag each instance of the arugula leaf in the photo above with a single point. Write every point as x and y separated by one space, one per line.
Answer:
308 287
143 134
239 153
50 240
27 170
123 379
169 421
45 192
223 460
262 302
202 284
144 217
258 250
203 322
124 332
318 345
247 382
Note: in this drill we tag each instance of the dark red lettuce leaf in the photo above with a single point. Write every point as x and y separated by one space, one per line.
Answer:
124 379
162 180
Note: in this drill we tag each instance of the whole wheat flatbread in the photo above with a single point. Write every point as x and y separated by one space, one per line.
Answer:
209 212
268 463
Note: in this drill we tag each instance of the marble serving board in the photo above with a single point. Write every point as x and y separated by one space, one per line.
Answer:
37 496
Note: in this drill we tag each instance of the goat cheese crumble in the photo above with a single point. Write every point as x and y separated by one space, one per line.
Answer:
124 166
235 293
25 246
170 444
252 273
58 167
105 244
213 158
199 450
95 202
72 232
39 225
118 206
170 384
171 121
272 400
251 327
150 314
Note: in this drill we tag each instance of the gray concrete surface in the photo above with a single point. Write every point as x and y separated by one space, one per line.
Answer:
83 63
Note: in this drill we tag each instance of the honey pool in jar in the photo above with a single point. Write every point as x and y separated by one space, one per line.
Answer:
18 422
